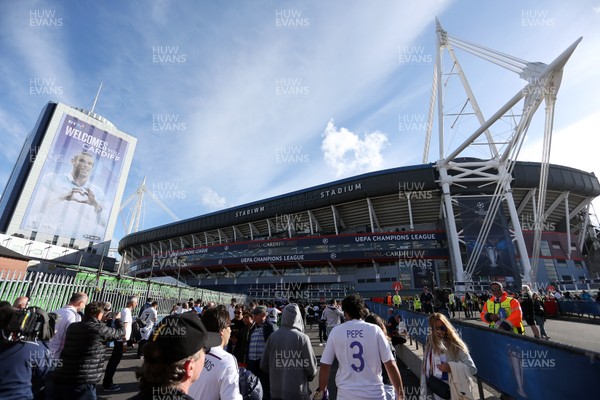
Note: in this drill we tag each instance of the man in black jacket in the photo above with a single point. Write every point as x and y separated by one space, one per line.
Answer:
82 358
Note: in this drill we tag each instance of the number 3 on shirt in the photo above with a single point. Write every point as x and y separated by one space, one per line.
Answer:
359 356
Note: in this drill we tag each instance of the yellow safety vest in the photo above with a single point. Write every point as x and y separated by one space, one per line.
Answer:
397 299
492 308
417 304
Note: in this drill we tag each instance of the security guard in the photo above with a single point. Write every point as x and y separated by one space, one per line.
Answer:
452 303
397 300
502 311
417 303
388 300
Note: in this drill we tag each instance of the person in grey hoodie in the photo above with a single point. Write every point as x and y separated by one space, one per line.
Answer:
289 358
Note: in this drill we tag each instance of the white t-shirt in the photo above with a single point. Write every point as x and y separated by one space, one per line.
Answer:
231 310
127 320
360 348
148 317
219 379
67 315
272 314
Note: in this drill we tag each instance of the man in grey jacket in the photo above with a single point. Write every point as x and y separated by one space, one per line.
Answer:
333 315
289 358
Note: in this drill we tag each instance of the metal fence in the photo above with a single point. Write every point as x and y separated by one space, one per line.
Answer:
52 291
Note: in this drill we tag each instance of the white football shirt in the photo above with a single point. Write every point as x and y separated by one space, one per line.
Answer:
219 378
360 348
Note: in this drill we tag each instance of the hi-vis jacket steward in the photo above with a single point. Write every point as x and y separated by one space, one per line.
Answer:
509 311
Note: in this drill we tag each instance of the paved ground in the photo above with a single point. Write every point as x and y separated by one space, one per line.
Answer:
125 376
580 333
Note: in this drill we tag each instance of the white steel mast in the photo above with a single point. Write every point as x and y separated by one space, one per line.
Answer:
543 82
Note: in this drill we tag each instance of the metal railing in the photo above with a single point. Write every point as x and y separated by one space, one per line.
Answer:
52 291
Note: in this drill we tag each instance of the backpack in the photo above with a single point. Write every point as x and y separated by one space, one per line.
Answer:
28 325
250 386
136 330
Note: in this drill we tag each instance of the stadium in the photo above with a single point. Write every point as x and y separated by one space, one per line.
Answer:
371 233
473 216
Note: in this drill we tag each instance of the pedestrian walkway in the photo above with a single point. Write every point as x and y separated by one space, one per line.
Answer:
408 357
125 376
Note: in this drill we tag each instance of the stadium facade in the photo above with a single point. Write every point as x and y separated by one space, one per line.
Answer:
62 199
371 233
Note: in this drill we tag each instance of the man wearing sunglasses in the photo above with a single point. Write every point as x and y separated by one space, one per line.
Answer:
502 311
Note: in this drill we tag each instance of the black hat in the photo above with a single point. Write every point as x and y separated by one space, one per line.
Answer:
177 337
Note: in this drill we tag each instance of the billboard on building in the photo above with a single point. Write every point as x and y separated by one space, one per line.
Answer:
497 259
79 181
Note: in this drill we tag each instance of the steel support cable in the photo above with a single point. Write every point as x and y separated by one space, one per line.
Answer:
509 62
485 229
486 49
514 150
539 217
473 101
494 60
431 115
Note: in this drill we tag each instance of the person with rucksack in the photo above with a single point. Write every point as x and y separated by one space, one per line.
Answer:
25 359
250 386
146 305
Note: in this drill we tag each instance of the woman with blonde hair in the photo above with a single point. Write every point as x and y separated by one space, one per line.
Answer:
448 369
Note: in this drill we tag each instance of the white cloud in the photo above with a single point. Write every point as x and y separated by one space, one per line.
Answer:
345 152
211 199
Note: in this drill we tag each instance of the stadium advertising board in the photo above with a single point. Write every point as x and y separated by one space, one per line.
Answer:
498 256
416 248
75 192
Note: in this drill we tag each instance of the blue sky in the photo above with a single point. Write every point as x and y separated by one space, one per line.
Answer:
236 101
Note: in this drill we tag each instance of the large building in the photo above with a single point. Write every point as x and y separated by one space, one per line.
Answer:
371 233
65 190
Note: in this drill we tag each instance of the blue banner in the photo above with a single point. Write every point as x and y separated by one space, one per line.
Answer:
525 368
497 259
579 307
520 367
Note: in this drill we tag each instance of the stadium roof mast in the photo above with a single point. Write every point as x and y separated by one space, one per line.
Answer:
543 83
135 214
134 220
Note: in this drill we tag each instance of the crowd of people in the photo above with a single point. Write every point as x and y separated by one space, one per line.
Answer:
528 308
203 350
198 351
